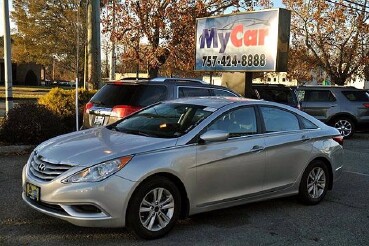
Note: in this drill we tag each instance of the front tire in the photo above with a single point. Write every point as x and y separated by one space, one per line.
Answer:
314 183
154 208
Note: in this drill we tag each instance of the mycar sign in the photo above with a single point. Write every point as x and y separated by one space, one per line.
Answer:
248 42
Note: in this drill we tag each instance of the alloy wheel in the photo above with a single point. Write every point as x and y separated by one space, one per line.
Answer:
156 209
344 127
316 182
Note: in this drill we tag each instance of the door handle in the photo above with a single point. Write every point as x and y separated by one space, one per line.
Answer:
305 138
257 148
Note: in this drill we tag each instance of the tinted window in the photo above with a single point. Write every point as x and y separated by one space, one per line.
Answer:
223 93
239 122
193 92
277 95
134 95
166 120
318 96
307 124
356 96
277 120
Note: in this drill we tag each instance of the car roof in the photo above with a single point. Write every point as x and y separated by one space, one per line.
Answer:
271 86
324 87
163 80
214 102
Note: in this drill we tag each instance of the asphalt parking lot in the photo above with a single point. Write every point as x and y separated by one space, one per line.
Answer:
341 219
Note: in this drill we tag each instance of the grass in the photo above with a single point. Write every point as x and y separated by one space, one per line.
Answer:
27 92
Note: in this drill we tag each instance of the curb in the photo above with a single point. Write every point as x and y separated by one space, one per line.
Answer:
16 149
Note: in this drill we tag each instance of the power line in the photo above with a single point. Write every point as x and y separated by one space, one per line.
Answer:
357 4
350 7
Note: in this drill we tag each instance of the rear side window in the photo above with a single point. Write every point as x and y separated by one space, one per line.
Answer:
356 96
193 92
277 120
307 124
134 95
318 96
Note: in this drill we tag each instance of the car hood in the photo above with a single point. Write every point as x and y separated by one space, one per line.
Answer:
89 147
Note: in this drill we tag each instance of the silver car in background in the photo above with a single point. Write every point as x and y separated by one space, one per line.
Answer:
180 158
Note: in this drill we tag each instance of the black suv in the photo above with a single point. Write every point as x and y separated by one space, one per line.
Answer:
276 93
345 108
115 100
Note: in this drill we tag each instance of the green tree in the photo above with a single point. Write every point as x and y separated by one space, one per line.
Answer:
331 35
47 30
168 27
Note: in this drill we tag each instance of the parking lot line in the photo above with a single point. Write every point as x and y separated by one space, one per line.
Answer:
357 173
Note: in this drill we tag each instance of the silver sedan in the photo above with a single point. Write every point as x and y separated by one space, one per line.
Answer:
180 158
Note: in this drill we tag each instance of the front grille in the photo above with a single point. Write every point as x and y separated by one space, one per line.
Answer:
46 171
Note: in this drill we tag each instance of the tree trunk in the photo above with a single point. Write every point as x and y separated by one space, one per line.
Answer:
153 72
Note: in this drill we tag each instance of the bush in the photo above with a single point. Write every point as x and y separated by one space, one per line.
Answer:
62 103
30 123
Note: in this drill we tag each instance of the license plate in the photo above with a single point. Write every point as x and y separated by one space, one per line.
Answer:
33 192
99 120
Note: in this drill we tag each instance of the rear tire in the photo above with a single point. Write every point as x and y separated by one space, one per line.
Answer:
314 183
345 125
154 208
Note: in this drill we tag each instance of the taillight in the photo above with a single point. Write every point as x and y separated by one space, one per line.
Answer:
122 111
88 106
338 139
366 105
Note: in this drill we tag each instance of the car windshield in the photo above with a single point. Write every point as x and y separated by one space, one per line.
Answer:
166 120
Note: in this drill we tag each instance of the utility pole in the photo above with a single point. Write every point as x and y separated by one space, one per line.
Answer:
7 59
112 54
93 45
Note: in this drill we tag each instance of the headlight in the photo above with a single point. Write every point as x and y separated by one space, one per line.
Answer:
98 172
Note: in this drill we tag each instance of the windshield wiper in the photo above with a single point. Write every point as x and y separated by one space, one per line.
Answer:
136 132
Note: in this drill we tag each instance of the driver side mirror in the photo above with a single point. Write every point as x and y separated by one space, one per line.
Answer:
214 136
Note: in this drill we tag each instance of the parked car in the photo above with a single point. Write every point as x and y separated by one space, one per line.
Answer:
345 108
276 93
179 158
116 100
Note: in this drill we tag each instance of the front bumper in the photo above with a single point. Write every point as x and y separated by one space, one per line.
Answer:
108 198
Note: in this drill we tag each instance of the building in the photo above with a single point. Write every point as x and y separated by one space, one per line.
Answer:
23 73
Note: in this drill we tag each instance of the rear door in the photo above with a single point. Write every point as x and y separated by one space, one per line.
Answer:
288 147
319 103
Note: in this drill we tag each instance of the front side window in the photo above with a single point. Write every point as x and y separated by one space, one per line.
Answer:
277 120
319 96
238 122
167 120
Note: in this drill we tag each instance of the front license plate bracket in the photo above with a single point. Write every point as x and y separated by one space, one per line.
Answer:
33 192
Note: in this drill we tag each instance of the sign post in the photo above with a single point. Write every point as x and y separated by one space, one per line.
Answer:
7 59
244 42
